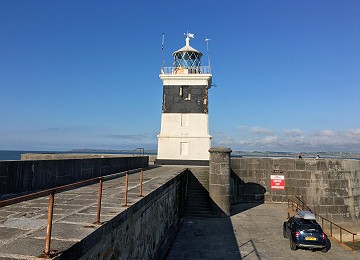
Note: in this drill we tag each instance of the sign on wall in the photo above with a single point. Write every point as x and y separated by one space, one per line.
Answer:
277 182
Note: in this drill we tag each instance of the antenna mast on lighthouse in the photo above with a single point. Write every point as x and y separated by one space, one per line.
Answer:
162 49
207 50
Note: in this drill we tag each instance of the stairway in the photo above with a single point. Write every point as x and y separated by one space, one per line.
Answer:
197 195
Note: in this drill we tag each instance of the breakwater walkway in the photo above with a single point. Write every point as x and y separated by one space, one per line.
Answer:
253 232
23 225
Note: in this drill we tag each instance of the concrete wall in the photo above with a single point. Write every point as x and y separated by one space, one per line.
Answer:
65 156
55 156
26 176
330 187
145 230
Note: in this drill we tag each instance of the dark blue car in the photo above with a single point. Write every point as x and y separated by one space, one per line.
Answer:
304 232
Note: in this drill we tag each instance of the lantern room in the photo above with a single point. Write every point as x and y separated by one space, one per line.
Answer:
187 60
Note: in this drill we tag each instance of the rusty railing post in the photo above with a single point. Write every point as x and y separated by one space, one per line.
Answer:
99 200
126 189
330 228
49 224
141 183
340 235
353 244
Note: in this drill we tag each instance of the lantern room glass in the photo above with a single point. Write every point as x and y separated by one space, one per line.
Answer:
187 60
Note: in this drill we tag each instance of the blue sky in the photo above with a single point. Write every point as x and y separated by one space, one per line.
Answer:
85 74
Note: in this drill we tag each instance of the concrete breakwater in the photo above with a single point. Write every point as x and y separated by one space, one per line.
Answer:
18 177
146 228
143 229
330 187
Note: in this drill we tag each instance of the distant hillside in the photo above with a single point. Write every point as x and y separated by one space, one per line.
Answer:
340 155
110 151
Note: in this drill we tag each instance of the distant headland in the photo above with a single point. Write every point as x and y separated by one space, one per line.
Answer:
236 153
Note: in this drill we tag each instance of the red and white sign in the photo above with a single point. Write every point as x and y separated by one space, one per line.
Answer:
277 182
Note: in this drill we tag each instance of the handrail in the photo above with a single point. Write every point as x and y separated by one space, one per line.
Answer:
141 151
52 191
46 192
43 193
303 206
177 70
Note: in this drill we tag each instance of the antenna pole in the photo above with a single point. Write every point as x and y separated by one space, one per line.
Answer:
207 50
162 49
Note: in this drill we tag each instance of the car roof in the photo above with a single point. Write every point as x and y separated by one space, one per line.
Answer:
306 214
302 221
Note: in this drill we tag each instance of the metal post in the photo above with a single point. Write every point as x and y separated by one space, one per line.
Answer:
330 228
126 189
340 235
49 224
322 222
353 244
99 201
141 183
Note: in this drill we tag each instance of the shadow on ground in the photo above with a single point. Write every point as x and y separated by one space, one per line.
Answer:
241 207
211 238
205 238
254 251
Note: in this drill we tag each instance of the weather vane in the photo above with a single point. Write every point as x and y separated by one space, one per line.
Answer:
189 35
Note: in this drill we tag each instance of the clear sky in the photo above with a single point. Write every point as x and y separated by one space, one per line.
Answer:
85 74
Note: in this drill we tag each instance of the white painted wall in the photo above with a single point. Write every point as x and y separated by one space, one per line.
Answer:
184 136
178 129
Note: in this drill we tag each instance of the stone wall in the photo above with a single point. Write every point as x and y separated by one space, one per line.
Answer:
27 176
145 230
329 187
63 156
219 180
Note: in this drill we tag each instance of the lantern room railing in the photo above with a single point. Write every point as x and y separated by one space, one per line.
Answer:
180 70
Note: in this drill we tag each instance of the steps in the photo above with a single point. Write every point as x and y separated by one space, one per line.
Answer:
197 196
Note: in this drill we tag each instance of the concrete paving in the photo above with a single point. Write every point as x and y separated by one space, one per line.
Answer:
252 232
23 225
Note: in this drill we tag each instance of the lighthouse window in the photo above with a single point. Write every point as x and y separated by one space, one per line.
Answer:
185 92
184 148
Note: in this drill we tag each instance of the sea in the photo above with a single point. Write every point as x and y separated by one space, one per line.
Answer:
6 155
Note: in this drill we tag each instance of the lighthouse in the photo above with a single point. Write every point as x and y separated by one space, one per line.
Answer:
184 135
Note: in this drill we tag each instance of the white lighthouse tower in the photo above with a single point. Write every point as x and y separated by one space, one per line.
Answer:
184 136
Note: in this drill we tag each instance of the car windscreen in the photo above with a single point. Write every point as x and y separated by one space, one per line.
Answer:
310 229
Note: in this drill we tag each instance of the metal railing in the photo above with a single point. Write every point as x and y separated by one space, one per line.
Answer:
140 151
179 70
301 205
51 193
